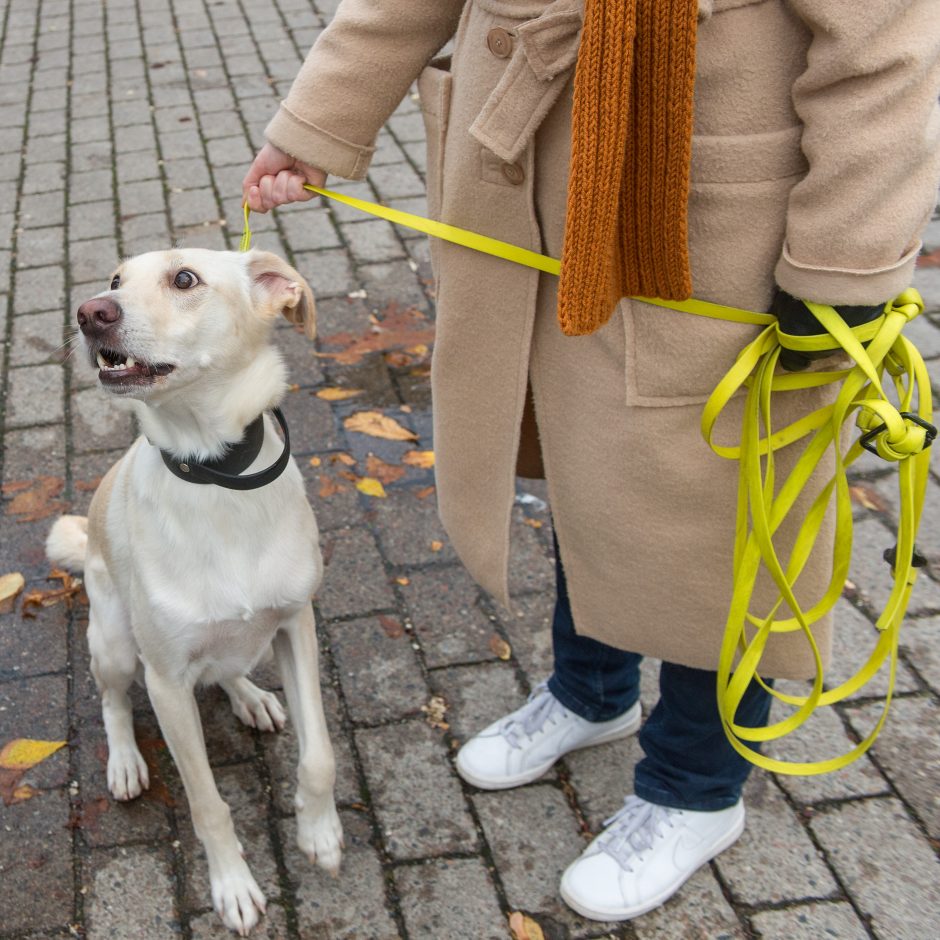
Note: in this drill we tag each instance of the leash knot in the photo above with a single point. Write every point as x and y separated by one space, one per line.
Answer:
908 304
899 435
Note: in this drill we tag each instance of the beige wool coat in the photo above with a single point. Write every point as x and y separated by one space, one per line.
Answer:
816 158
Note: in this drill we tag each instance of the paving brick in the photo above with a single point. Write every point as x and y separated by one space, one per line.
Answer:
920 640
32 645
193 207
37 339
476 696
300 356
38 290
36 865
34 707
98 424
273 926
91 220
528 625
392 282
328 272
354 580
775 860
410 531
129 893
377 669
417 800
810 922
533 835
309 230
34 395
338 907
885 865
602 777
372 241
450 898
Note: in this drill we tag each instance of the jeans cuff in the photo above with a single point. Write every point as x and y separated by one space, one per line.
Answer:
666 798
581 708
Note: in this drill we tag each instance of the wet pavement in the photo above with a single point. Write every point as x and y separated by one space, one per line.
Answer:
128 126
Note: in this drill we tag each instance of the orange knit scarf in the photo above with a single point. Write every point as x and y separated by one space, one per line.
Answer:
631 145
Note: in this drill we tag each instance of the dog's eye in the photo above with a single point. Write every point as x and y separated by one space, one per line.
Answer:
185 279
115 282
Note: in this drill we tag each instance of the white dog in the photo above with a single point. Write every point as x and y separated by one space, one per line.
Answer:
200 550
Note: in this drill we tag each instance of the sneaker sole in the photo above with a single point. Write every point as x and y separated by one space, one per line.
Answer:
507 783
628 913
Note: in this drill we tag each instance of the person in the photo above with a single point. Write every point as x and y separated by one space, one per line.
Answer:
742 151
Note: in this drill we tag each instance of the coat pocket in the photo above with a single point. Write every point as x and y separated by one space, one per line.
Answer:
434 91
737 220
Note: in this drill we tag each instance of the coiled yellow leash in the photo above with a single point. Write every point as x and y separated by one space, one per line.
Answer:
899 433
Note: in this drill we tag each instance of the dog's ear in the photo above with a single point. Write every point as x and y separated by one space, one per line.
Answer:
285 290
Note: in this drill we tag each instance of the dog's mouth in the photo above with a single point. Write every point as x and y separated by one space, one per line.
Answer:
117 368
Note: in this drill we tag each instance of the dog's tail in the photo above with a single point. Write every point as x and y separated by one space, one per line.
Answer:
67 543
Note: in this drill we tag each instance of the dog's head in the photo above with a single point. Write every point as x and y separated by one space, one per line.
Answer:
171 318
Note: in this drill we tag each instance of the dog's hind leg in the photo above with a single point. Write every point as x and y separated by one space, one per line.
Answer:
253 706
114 665
235 893
319 833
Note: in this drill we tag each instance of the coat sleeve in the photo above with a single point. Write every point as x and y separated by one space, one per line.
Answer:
354 77
871 135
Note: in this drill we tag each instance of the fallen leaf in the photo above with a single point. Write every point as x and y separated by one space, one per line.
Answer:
393 629
338 394
371 487
72 590
384 472
152 750
293 388
406 409
435 710
535 523
329 487
425 492
867 497
347 459
524 928
315 461
24 753
88 486
375 424
420 350
499 647
397 328
424 459
87 814
38 499
436 546
23 793
10 586
404 582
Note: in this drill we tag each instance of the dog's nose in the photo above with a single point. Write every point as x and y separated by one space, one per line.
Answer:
96 316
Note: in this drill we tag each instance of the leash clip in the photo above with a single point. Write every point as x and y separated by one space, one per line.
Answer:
867 439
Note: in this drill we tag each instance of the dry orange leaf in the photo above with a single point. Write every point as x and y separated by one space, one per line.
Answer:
35 499
71 590
375 424
10 586
867 498
524 928
499 647
404 582
435 710
436 546
338 394
329 487
392 628
424 459
315 461
535 523
371 487
347 459
425 492
397 328
382 471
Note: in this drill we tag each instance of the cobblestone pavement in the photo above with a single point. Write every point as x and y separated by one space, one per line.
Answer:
128 125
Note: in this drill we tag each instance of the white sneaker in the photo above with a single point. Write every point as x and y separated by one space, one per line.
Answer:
522 746
643 857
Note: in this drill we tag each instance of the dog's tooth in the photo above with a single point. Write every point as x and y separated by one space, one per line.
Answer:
130 362
102 362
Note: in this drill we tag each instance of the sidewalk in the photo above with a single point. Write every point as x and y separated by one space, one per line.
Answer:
127 126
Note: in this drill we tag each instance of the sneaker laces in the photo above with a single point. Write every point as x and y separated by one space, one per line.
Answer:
539 708
632 829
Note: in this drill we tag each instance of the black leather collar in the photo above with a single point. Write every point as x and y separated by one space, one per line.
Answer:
227 470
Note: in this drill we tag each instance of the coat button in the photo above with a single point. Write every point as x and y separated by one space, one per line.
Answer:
499 42
513 173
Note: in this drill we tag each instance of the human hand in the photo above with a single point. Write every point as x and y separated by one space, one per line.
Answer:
794 318
276 178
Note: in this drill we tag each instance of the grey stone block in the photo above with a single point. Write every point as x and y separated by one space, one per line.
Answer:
34 707
410 531
193 207
37 339
97 423
92 220
528 625
34 395
476 696
886 865
450 898
93 260
602 777
354 580
273 926
329 272
775 860
372 241
418 803
129 893
811 921
920 641
377 669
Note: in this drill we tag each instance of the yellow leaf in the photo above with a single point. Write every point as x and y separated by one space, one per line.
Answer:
404 582
23 753
419 350
524 928
315 461
371 487
375 424
436 546
338 394
10 585
419 458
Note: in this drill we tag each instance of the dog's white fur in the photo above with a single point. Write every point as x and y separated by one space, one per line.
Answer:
196 582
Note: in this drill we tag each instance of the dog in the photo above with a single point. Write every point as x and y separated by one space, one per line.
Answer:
200 551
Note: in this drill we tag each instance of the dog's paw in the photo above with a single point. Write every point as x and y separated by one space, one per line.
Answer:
257 708
128 776
321 839
238 900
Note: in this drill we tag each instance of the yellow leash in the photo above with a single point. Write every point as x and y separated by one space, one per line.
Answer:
896 433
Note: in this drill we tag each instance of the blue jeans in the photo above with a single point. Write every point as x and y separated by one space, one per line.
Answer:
688 762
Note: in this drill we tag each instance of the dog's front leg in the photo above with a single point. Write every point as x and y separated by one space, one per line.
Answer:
319 833
235 893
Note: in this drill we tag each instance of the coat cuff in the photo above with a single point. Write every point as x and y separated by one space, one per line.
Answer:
835 286
311 144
